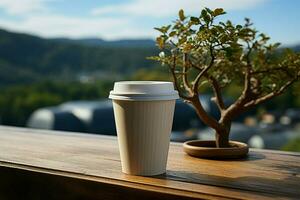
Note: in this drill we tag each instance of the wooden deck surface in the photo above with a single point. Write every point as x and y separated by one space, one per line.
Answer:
37 164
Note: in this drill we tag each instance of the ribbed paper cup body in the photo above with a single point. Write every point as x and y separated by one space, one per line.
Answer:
144 129
143 126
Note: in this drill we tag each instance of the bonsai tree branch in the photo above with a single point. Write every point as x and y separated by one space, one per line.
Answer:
218 99
237 106
203 115
172 68
194 99
203 72
272 94
184 75
247 85
273 70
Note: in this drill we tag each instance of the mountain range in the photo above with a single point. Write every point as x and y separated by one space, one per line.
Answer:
114 43
26 58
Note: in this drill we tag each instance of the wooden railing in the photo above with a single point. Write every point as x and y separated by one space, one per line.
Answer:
36 164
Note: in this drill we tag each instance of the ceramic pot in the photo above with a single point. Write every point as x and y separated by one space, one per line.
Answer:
207 149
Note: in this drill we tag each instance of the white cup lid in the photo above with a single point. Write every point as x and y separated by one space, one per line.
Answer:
143 91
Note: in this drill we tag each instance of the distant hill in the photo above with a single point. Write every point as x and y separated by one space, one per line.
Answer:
296 48
26 58
104 43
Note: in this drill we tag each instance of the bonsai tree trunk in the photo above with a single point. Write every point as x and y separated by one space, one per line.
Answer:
222 127
222 136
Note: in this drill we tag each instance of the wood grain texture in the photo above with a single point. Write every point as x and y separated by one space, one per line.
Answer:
89 166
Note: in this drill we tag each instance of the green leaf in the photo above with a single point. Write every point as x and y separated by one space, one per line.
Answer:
202 29
181 15
191 31
166 28
219 28
160 42
218 11
173 33
239 26
187 47
158 29
229 52
195 20
182 40
156 58
205 16
276 45
223 39
163 29
203 13
228 23
209 11
214 31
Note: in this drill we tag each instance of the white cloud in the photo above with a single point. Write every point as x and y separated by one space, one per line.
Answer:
37 17
76 27
21 7
164 8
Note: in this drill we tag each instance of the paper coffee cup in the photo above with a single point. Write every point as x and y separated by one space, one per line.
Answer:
144 115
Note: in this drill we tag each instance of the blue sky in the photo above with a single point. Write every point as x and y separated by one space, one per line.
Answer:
117 19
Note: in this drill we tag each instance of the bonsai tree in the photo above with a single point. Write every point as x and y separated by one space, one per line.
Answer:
202 51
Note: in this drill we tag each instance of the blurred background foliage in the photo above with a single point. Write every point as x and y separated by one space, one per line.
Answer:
292 146
18 102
